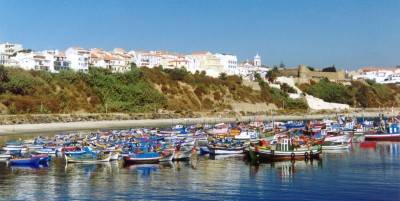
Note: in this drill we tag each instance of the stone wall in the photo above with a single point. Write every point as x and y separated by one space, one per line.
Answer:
304 75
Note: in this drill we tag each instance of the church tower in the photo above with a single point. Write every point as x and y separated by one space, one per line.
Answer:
257 60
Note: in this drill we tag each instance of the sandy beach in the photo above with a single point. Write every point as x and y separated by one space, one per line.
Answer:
109 124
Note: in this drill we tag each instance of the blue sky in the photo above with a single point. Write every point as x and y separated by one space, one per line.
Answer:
347 33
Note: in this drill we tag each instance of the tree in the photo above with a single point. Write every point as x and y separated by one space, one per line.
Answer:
311 68
223 76
329 69
272 75
133 65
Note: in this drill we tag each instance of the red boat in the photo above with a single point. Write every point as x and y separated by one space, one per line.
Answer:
393 134
382 137
366 145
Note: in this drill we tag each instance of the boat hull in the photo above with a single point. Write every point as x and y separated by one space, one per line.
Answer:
382 137
69 159
271 155
132 160
225 151
25 162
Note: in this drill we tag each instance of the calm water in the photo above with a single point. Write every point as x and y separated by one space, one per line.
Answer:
358 174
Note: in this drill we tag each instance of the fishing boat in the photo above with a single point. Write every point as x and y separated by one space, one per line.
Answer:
87 158
146 157
45 151
167 155
246 135
5 156
32 161
20 148
222 150
392 135
44 158
85 150
284 151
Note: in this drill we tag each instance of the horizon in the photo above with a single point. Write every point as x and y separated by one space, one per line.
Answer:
347 34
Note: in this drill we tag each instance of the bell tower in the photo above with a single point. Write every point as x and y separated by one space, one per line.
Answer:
257 60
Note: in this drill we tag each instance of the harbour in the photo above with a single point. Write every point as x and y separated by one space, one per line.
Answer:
355 174
254 160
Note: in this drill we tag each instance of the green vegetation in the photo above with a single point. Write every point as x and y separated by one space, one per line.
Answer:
148 90
356 94
67 92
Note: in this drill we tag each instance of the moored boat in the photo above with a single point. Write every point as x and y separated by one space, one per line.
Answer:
222 150
283 152
148 157
392 135
87 158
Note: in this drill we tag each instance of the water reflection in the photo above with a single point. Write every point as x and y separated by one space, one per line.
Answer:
285 170
359 173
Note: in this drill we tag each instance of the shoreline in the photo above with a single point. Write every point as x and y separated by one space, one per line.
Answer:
121 124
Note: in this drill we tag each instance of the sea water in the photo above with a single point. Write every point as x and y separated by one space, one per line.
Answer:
357 174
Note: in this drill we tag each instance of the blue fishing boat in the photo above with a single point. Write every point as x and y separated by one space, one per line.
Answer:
33 161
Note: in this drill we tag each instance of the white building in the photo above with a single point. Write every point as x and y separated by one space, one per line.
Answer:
7 50
32 61
117 61
379 75
257 60
78 58
206 61
229 63
58 60
153 59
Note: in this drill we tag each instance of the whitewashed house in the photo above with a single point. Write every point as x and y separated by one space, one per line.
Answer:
206 61
7 50
378 74
33 61
58 60
229 62
78 58
179 62
116 62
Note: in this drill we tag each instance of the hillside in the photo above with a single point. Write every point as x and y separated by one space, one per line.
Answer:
145 90
140 90
362 94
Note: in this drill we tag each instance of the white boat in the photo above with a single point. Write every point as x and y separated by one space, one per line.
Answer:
45 151
247 135
69 159
33 147
5 156
15 148
219 150
337 138
167 156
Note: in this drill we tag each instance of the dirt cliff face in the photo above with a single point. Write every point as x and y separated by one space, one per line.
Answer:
197 92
